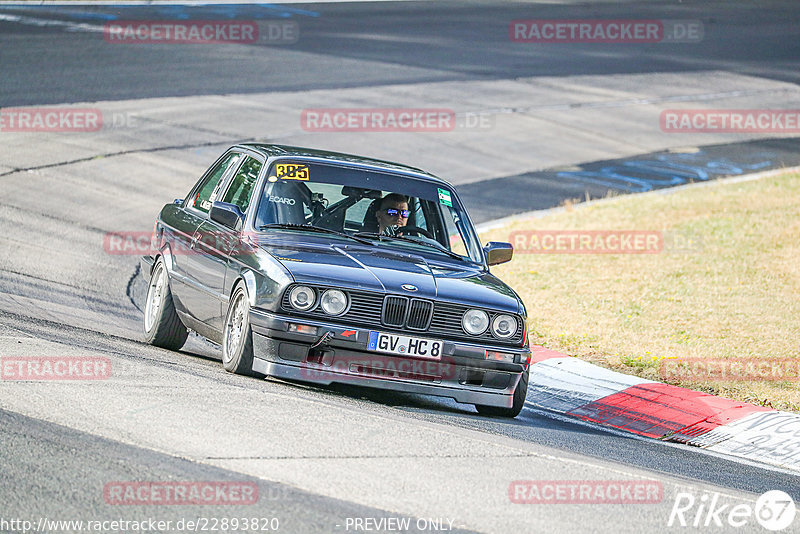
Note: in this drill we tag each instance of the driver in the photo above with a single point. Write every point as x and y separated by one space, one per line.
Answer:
392 213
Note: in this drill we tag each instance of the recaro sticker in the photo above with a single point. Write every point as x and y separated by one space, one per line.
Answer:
283 200
444 197
291 171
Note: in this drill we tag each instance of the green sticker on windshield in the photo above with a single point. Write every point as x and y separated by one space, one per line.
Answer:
444 197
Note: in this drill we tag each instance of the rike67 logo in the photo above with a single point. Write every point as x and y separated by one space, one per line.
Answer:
774 510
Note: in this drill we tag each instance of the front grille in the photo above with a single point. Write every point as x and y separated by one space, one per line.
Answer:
399 312
419 314
395 310
376 310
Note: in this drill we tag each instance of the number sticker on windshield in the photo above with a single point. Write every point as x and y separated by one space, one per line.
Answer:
291 171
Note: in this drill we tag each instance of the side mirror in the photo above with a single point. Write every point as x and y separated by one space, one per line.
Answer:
497 253
228 215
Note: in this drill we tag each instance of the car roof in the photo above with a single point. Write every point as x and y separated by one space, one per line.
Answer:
339 157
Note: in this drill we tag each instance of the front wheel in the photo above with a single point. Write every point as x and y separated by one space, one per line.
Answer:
520 393
237 343
162 326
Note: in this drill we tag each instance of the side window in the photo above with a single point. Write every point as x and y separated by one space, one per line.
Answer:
202 197
241 188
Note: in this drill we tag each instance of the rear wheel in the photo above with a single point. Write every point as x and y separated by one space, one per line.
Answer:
237 342
519 400
162 326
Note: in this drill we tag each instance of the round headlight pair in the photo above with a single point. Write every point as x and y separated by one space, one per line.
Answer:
475 322
332 302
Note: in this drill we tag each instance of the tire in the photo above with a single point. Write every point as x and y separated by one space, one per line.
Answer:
520 393
162 326
237 336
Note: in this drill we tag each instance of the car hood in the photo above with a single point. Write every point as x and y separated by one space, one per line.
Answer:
387 270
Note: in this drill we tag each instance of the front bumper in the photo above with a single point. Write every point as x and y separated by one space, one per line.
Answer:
462 372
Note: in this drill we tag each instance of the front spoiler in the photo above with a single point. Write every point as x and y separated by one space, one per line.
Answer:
459 375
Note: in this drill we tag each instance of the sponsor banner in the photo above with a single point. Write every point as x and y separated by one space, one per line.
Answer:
586 492
181 32
782 121
19 368
157 493
729 369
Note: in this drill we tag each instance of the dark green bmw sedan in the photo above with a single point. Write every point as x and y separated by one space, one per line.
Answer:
330 268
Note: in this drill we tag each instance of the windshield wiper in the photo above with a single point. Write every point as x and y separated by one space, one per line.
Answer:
438 246
309 228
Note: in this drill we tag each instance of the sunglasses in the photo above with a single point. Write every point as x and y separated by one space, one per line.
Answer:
391 212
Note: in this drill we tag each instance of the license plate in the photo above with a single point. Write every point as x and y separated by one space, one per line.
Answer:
405 345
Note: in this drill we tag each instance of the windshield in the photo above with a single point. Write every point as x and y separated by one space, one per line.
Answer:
390 210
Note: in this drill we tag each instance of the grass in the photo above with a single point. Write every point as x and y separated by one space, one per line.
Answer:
734 296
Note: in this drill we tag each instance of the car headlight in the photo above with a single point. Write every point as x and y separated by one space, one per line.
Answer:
475 322
302 298
504 326
333 302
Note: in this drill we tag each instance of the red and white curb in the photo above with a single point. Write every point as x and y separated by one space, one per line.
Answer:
571 386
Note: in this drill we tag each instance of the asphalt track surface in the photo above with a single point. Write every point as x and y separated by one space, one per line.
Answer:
319 455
